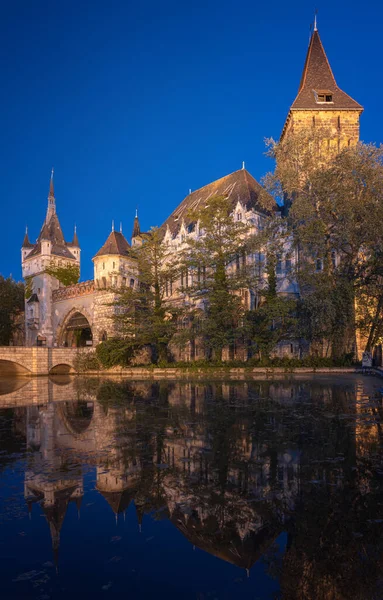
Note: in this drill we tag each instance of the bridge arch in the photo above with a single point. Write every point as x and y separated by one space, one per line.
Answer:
13 368
62 369
77 416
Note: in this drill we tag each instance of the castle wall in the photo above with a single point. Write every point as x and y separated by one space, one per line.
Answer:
343 125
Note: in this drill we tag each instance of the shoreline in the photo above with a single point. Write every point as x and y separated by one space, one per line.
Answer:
199 373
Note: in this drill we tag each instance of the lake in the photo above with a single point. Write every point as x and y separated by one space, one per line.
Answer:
195 490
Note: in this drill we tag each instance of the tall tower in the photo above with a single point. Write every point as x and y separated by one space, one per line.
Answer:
50 250
320 103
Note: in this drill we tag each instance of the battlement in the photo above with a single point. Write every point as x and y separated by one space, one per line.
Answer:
84 288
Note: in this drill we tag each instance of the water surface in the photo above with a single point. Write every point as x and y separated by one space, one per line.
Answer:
204 490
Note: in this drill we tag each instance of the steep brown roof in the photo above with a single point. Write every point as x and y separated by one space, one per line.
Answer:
317 75
26 242
75 241
52 231
239 185
115 244
136 227
118 501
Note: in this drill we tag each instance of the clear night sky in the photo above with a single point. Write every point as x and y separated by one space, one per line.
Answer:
133 103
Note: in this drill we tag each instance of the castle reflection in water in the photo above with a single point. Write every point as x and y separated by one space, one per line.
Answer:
231 465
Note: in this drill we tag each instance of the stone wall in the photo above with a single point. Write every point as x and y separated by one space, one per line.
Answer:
343 125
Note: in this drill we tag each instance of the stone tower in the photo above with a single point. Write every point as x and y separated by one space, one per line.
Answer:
50 250
320 103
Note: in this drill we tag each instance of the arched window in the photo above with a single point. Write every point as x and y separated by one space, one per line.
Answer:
131 283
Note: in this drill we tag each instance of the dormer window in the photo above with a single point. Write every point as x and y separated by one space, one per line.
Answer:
323 96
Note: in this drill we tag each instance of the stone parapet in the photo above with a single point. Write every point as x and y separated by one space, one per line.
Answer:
74 291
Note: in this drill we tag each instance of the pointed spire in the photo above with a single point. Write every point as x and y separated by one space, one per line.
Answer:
136 226
243 165
318 88
113 225
120 226
51 187
51 210
315 21
26 242
75 241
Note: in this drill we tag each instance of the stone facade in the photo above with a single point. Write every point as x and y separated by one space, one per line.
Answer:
83 314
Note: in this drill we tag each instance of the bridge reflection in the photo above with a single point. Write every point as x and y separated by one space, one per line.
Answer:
230 465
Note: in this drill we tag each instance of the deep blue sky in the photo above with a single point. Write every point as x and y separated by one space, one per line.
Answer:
133 103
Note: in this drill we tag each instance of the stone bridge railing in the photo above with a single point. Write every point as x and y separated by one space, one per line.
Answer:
37 361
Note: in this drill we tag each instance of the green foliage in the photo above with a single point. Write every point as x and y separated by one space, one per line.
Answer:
86 361
28 287
115 352
11 308
144 319
215 263
336 220
67 275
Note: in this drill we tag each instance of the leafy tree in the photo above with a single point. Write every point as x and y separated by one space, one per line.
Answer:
274 319
215 270
11 307
336 220
144 318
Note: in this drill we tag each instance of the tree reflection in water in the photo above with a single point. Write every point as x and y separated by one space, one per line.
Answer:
230 465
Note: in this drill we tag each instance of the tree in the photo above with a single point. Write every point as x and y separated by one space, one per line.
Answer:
11 307
144 318
274 318
214 271
336 221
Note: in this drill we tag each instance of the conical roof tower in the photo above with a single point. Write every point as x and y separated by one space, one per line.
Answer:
320 101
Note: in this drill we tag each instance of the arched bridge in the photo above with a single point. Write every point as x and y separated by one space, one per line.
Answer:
15 360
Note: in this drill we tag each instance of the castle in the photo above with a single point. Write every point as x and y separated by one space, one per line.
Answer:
82 314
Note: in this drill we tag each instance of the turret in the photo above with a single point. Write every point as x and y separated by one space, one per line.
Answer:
320 103
136 234
74 245
114 265
50 249
27 247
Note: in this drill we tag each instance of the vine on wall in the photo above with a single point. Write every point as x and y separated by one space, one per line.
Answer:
67 275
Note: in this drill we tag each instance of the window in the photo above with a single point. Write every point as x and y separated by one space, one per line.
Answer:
237 265
114 265
288 265
319 264
239 216
323 96
124 281
131 282
103 266
333 258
